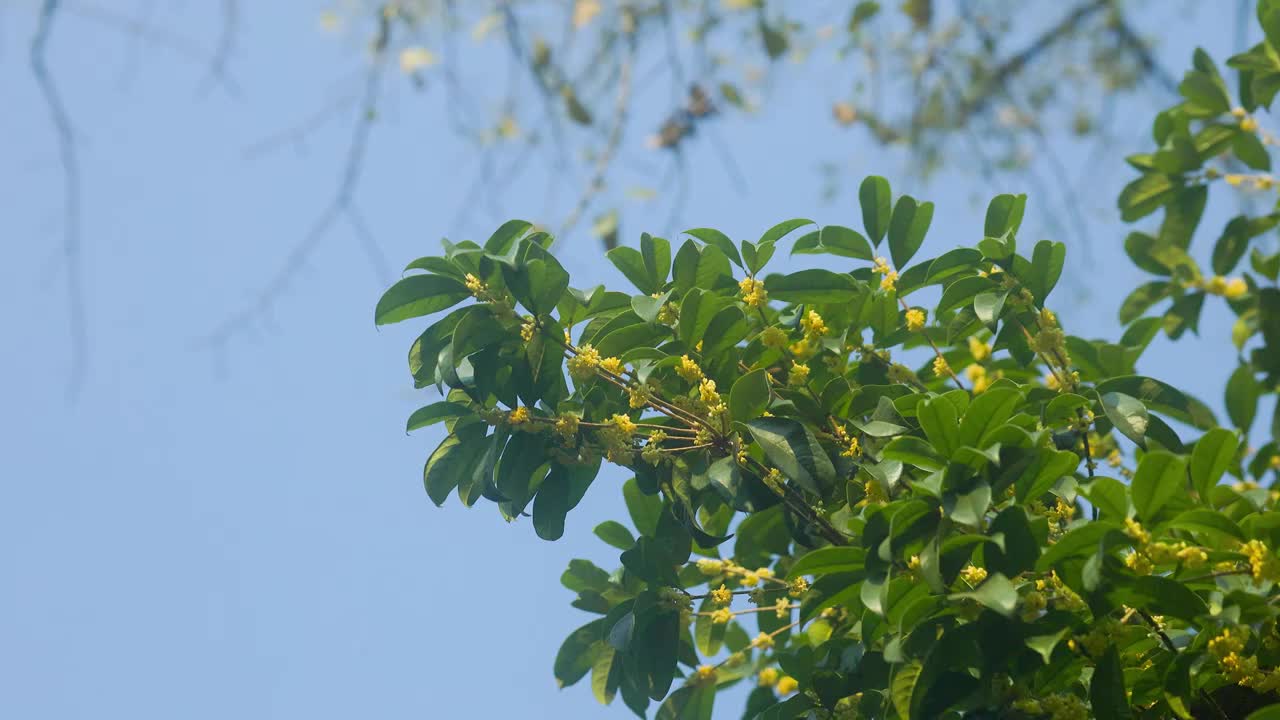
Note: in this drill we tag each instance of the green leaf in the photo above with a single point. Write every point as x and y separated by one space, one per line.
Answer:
505 237
632 265
1129 416
987 412
1242 395
648 307
907 228
961 292
939 420
749 396
1249 148
1107 695
1142 298
434 413
874 197
447 464
1182 215
615 534
1021 549
1212 455
606 674
1163 398
718 240
1082 540
644 509
1064 409
782 229
726 329
1142 196
1045 644
1110 496
792 448
1047 260
903 686
1209 522
914 451
812 286
1271 712
1004 215
845 242
969 508
996 593
656 254
988 305
418 295
578 653
1159 477
828 560
1233 242
550 506
476 331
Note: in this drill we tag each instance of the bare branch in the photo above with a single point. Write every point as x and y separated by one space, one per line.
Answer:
61 122
217 73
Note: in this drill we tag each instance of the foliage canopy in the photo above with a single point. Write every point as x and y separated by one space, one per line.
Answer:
869 504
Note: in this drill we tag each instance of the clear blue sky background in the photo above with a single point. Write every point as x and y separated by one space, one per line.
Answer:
243 532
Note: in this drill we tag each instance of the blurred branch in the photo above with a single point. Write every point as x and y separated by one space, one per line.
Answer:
1143 53
340 206
226 42
63 133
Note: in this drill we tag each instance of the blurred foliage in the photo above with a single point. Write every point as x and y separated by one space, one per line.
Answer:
982 81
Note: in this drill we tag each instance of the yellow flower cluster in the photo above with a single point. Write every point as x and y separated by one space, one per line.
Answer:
519 416
786 685
1232 289
707 392
980 378
721 616
782 608
721 595
1064 597
710 566
773 337
1262 562
813 325
584 364
1134 530
940 366
799 374
973 575
913 562
476 286
890 279
763 641
979 349
1032 604
688 369
873 495
768 677
567 426
915 319
798 587
1139 563
637 397
1241 669
669 314
527 330
623 423
1065 707
852 449
704 675
613 365
753 292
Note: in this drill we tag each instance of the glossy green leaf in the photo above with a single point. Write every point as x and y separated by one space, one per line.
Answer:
615 534
811 286
1212 456
1160 476
996 593
1128 414
907 227
792 448
1107 695
750 395
1004 215
718 240
418 295
874 198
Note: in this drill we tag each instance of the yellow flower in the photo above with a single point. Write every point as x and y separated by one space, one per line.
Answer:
978 349
873 494
707 391
1235 289
973 574
1262 561
1051 381
1226 644
764 572
637 397
567 425
704 674
787 684
889 281
913 563
1034 602
1216 285
526 330
623 423
798 587
940 366
881 266
518 416
975 372
688 369
414 59
1139 563
750 579
768 677
721 595
583 364
1114 459
773 337
799 374
475 285
709 566
753 292
1134 530
782 608
613 365
853 449
721 616
915 319
1193 557
813 325
763 641
1248 123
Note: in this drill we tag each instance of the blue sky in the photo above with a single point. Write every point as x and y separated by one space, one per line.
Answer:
241 531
